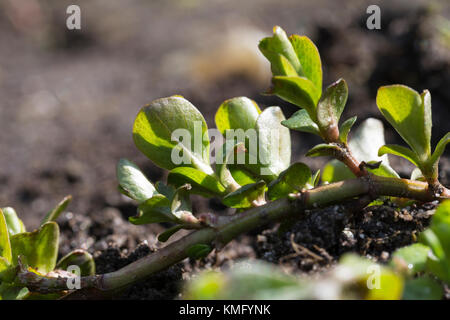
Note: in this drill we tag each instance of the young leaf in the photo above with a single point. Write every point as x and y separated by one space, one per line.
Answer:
297 90
198 251
423 288
274 142
5 246
440 148
400 151
345 128
237 113
291 180
154 210
330 107
245 196
335 171
383 170
281 54
230 151
200 182
301 121
181 203
173 127
54 214
315 179
323 149
410 114
164 236
412 258
309 58
14 224
39 249
440 225
133 181
80 258
165 190
416 174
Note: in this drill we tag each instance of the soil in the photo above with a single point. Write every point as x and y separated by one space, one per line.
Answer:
69 100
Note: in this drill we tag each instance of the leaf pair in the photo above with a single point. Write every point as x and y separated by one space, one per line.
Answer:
37 250
296 68
410 114
266 142
156 204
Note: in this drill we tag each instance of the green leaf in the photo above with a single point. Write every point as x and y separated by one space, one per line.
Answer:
154 210
383 170
291 180
399 151
280 52
165 189
242 175
172 133
4 265
245 196
335 171
416 174
133 181
309 58
301 121
181 203
164 236
331 105
39 249
54 214
237 113
274 142
5 246
410 114
315 179
80 258
230 151
201 183
14 224
198 251
367 139
323 149
423 288
345 128
297 90
411 259
12 292
440 148
440 225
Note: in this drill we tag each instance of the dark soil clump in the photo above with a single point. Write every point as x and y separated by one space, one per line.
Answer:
163 285
324 235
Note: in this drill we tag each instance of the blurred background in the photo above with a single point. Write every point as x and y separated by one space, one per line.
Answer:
68 98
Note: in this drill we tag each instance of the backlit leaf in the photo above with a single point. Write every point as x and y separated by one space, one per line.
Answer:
245 196
301 121
410 114
133 181
172 132
237 113
201 183
39 249
154 210
291 180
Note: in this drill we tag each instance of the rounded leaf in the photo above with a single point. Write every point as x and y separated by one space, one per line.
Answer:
173 123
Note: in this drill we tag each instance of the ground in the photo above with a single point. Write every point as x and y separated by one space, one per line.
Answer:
69 99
